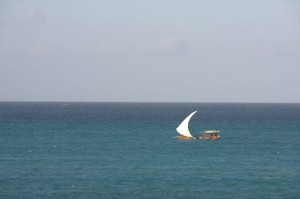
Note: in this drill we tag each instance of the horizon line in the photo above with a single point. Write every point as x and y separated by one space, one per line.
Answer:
75 101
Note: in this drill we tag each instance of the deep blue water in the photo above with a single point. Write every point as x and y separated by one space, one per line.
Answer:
126 150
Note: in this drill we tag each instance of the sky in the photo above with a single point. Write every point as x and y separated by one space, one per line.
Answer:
150 51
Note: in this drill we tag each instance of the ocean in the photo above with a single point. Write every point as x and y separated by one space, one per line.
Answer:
126 150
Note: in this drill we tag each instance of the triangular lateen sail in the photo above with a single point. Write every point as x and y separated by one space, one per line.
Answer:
183 128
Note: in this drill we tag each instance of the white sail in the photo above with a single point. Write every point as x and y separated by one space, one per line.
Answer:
183 128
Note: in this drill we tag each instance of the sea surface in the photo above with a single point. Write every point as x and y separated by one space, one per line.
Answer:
127 150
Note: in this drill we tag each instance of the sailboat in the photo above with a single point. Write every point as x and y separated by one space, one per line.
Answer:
183 130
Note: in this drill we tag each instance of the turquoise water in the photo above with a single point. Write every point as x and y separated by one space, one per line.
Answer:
126 150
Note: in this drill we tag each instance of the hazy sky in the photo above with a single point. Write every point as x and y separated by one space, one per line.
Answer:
158 50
